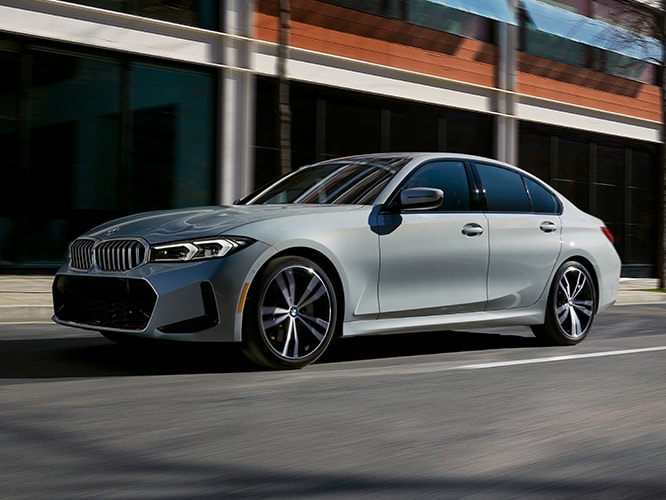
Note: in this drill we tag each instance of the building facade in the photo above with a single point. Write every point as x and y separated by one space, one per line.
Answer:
109 107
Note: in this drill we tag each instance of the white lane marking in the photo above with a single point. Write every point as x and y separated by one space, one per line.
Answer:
558 358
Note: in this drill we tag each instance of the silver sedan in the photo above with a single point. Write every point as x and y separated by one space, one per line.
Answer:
374 244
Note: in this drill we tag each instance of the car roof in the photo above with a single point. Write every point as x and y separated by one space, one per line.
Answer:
420 156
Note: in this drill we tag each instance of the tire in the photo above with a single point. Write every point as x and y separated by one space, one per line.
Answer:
572 304
291 314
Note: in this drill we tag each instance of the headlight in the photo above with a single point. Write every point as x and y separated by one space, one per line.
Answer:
185 251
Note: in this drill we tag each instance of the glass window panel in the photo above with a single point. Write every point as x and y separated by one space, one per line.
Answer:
535 151
626 67
10 197
610 204
266 153
303 123
579 6
504 189
576 192
573 158
413 128
199 13
352 127
371 6
427 14
469 133
172 148
543 201
450 177
447 19
117 5
644 172
611 164
74 143
555 48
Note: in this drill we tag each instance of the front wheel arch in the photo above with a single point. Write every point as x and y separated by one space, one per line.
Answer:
326 264
292 312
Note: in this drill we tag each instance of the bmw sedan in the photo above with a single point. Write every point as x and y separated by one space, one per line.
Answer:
364 245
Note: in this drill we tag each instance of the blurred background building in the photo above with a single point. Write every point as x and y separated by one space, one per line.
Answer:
109 107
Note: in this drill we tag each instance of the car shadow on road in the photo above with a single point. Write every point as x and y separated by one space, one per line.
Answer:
92 356
421 344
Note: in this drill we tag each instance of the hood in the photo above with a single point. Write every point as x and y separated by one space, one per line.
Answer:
187 223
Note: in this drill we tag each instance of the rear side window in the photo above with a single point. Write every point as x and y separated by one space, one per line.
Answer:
543 201
504 189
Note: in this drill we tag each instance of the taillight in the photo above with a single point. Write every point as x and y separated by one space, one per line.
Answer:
608 234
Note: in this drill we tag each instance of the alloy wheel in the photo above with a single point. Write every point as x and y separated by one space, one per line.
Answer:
296 312
574 305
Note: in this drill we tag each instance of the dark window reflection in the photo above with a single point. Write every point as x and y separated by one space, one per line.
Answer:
73 145
468 133
328 123
413 127
199 13
622 189
10 197
171 134
535 153
353 126
82 146
426 13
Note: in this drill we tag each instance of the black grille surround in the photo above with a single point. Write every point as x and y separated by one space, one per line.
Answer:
105 302
112 255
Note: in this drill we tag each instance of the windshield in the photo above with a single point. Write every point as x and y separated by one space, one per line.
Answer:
356 181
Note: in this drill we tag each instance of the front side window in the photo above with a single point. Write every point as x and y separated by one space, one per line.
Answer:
450 177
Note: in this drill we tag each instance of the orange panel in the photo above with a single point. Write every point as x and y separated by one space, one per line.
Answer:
329 29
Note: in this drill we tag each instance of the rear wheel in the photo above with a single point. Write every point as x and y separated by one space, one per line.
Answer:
291 314
572 304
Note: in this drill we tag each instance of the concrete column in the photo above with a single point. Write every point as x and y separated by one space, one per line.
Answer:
506 124
236 103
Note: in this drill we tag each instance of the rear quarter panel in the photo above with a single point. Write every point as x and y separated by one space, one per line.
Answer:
582 238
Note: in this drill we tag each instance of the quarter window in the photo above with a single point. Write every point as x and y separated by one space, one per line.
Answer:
543 201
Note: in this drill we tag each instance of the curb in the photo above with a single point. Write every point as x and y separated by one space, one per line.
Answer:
26 314
27 299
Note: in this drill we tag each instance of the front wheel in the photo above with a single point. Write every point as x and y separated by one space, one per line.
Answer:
572 304
291 314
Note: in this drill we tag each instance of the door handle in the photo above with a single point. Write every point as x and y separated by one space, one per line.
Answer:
548 226
472 229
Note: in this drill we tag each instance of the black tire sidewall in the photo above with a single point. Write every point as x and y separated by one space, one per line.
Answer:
559 335
255 344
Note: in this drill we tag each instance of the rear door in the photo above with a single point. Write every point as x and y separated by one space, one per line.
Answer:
524 236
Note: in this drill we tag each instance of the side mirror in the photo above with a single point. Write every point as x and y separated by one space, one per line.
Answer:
421 198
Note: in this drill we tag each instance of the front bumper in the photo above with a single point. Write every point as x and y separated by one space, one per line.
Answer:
195 301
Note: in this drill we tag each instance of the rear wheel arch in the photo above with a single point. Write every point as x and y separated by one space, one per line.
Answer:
571 305
590 269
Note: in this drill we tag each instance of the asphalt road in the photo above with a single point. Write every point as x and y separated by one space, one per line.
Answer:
451 415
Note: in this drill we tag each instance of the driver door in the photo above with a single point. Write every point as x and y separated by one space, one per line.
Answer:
435 261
